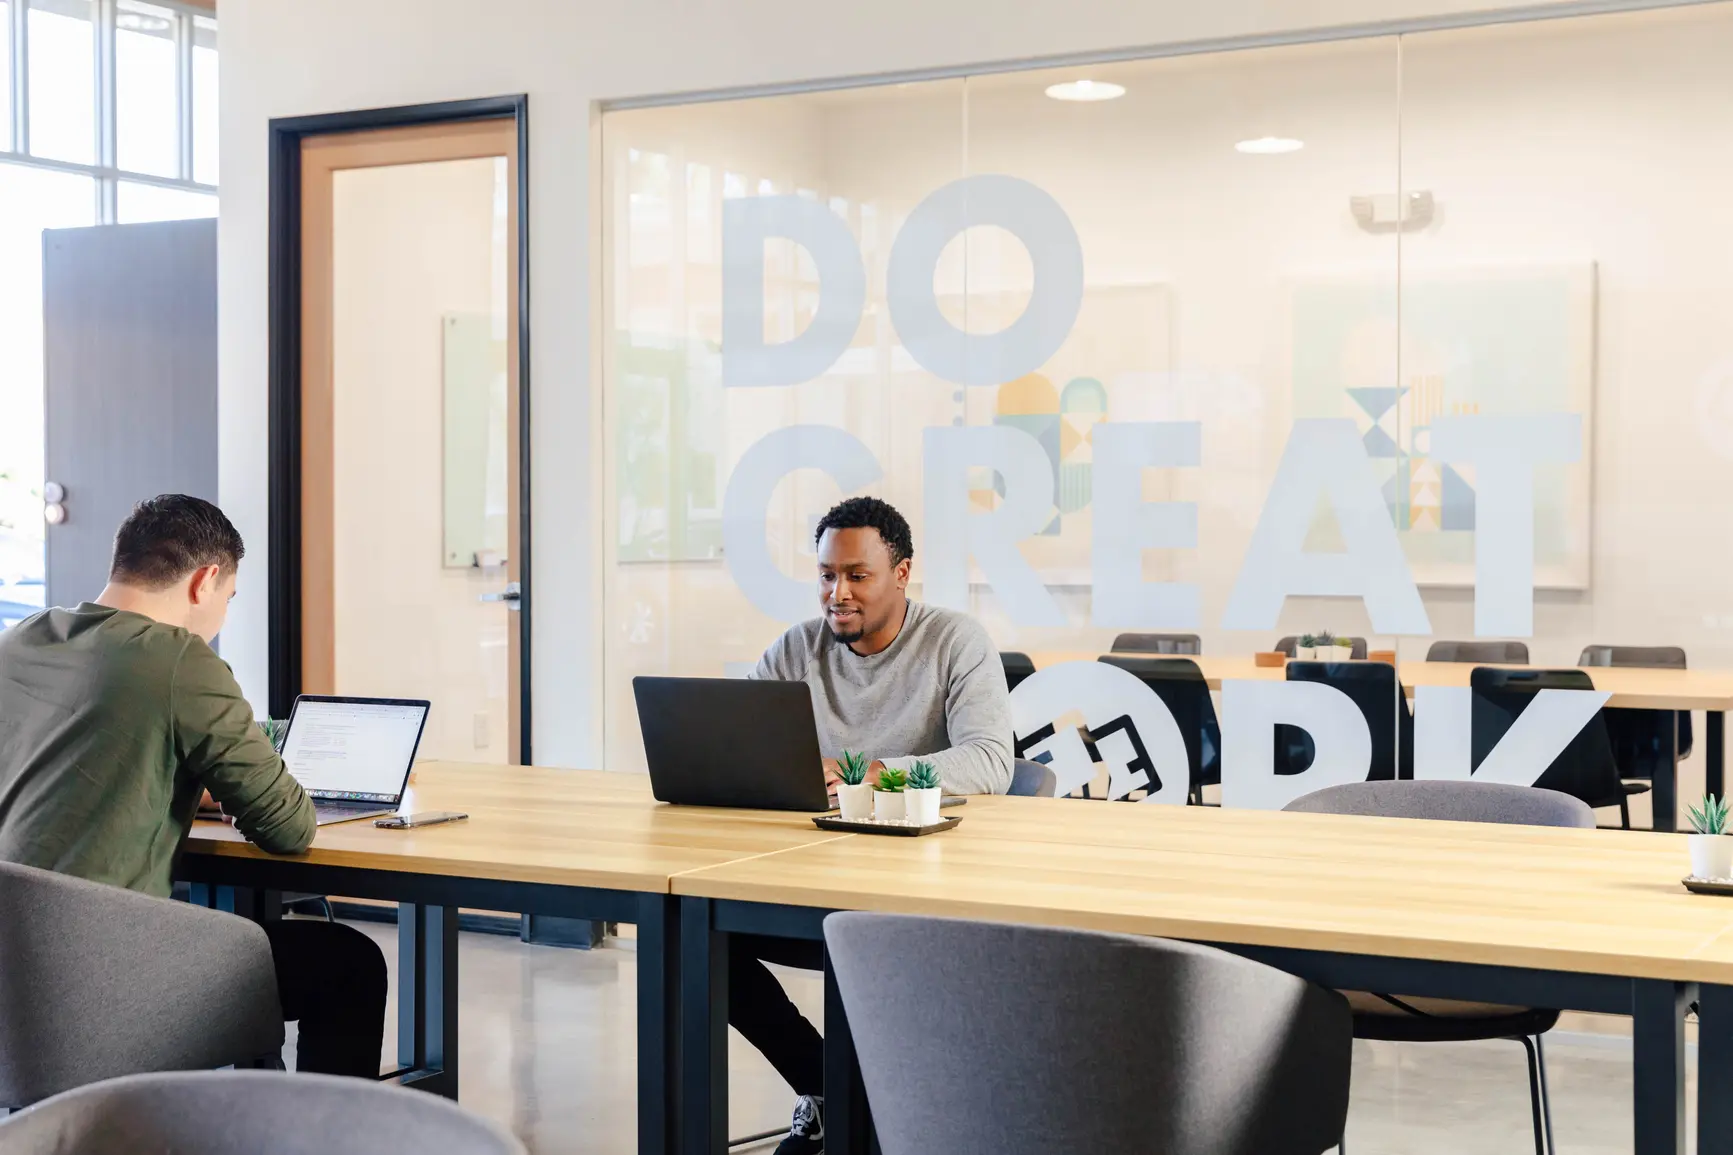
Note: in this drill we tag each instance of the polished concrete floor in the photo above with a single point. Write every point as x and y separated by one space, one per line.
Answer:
548 1050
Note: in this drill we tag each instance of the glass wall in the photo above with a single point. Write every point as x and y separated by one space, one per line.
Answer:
1402 281
112 128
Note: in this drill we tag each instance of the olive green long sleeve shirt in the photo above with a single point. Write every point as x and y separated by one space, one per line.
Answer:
111 726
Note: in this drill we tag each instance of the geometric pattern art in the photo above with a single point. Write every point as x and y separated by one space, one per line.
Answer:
1422 496
1064 425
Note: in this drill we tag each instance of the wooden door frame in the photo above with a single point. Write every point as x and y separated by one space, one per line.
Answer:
284 352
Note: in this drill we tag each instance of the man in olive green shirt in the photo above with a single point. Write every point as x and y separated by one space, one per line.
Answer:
116 717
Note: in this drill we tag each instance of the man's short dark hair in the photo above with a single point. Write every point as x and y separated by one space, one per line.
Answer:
871 513
168 537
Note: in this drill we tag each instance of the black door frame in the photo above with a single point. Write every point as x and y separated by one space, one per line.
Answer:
285 372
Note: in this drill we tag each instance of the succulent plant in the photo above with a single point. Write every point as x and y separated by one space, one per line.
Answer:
1326 638
1308 641
1709 816
852 768
924 776
892 781
275 731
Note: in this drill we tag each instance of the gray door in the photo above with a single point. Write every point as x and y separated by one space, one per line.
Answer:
130 378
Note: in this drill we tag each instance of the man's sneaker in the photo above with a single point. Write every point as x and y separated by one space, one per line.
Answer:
806 1135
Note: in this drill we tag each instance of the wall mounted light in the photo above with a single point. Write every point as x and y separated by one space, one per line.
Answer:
1086 90
1389 213
1270 145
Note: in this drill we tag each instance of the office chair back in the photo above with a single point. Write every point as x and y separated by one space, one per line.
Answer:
250 1113
1374 688
1158 644
1450 802
1030 779
1141 1045
1290 646
1182 688
97 981
1639 737
1017 667
1480 653
1584 769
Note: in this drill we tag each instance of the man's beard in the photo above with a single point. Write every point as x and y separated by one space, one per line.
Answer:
851 637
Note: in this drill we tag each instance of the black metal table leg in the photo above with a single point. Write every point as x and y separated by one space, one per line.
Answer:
427 998
1714 1070
847 1119
703 1090
658 978
1665 784
1714 754
1658 1062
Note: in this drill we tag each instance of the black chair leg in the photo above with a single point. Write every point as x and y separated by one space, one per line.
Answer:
1624 814
1537 1097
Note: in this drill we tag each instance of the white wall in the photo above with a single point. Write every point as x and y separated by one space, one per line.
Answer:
294 57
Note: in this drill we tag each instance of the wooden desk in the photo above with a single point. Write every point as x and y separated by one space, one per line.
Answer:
1632 689
578 844
1577 919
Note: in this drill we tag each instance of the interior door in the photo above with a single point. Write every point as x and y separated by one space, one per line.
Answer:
410 414
130 384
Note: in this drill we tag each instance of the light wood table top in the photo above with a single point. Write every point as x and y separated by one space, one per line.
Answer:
1588 901
1632 688
534 824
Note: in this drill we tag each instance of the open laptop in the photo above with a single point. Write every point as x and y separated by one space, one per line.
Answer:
731 742
353 755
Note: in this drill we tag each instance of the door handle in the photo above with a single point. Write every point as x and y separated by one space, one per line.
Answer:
512 596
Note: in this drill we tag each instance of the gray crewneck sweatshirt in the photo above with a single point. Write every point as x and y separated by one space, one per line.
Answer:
937 692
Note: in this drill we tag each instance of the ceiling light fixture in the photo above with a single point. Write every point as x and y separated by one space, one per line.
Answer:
1086 90
1270 145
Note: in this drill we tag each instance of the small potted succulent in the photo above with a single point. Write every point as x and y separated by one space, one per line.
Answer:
275 730
853 794
1307 648
1344 650
1711 846
921 799
888 804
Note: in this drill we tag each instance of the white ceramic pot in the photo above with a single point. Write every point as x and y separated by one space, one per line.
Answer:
888 805
856 801
1305 653
1711 855
1343 653
922 806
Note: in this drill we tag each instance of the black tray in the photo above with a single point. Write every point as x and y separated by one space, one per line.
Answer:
902 829
1705 886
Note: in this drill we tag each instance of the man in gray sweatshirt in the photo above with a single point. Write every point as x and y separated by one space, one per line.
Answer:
890 678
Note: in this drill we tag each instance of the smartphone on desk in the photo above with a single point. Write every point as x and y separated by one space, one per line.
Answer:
420 818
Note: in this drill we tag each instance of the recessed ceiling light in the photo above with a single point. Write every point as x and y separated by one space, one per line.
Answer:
1086 90
1267 145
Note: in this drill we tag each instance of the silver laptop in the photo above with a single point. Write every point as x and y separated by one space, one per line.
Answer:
353 755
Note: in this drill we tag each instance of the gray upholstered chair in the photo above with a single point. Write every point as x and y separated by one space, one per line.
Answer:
1399 1018
1033 779
97 981
1480 653
1187 644
250 1113
1132 1044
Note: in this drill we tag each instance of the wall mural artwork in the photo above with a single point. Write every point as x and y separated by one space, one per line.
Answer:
1476 340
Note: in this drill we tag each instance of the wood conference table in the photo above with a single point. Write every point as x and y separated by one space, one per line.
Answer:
1632 688
1589 920
572 843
